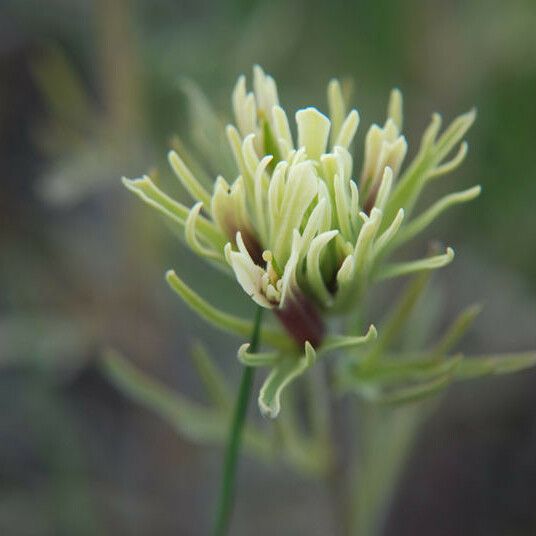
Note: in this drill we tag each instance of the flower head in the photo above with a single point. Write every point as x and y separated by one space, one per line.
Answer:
304 232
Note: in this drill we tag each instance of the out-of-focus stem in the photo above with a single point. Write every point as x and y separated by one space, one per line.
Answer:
385 437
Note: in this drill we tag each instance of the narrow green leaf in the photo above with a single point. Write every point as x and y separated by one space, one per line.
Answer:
336 342
418 224
212 378
153 196
258 359
219 319
453 135
404 268
398 317
280 377
415 393
191 232
393 370
476 367
188 418
397 370
188 180
456 330
408 187
451 164
191 420
432 153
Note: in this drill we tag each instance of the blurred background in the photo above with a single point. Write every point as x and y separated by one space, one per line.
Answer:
93 90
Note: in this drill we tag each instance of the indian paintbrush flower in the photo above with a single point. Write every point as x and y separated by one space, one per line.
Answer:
304 232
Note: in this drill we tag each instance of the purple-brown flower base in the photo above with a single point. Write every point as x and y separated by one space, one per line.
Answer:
302 320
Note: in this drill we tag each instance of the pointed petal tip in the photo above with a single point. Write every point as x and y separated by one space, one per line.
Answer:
372 333
333 82
169 275
131 183
310 353
242 351
231 131
269 412
475 309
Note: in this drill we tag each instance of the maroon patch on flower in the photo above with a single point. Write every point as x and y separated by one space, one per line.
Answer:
302 321
254 248
252 244
371 199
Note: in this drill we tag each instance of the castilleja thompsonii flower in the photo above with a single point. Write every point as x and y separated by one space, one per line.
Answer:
303 230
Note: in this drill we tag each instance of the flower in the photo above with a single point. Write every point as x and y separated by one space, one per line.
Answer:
303 236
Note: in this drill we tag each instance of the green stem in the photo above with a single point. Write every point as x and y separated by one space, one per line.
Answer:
226 499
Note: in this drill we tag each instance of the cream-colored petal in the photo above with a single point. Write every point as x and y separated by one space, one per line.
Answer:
313 131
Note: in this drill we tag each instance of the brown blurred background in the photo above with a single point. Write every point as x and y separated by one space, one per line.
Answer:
90 91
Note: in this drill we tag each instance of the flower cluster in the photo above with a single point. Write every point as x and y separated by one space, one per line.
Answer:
303 230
